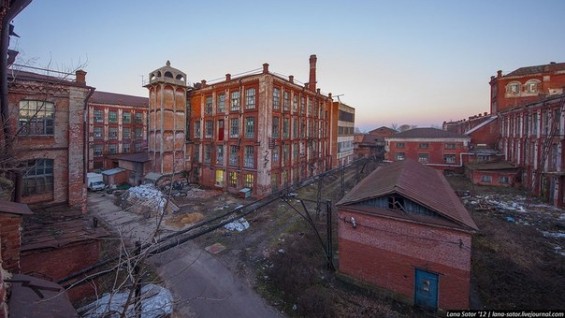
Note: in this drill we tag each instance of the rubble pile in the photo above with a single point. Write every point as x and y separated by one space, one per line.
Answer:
145 199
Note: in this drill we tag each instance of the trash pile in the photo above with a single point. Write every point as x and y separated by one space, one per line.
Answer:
145 199
239 225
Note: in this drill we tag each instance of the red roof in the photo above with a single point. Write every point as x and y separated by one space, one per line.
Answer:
414 181
427 133
537 69
106 98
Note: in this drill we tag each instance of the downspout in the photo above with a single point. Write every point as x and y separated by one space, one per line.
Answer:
85 135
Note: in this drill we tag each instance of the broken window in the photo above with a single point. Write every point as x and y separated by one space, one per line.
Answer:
38 177
36 117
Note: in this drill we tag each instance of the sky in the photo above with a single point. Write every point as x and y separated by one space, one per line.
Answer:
416 62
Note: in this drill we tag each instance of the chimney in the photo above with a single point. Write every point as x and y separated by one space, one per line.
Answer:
312 79
80 77
291 78
330 95
265 68
318 90
499 73
203 83
228 77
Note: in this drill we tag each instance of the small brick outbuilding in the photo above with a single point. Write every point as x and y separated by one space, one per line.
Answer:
403 229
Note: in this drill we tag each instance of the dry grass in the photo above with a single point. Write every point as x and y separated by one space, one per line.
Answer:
182 220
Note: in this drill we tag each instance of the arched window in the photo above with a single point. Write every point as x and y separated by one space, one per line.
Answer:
532 86
513 88
169 74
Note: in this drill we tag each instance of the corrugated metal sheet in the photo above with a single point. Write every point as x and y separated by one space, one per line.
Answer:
419 183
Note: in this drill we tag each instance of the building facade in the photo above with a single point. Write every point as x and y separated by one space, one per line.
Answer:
430 146
372 144
259 131
345 132
47 121
117 124
525 85
403 229
532 138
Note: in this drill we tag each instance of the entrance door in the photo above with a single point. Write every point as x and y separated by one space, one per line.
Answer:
220 129
426 290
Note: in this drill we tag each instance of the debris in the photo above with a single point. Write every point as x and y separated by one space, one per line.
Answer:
156 301
239 225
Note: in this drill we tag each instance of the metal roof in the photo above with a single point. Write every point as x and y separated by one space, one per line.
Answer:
427 133
118 99
112 171
134 157
419 183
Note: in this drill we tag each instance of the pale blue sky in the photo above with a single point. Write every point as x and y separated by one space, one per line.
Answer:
405 62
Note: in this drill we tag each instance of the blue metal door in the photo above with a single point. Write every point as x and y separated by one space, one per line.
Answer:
426 290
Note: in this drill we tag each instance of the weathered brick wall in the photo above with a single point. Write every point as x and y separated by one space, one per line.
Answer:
11 241
61 262
3 304
385 253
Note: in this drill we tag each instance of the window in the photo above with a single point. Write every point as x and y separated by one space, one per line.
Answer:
295 103
424 145
248 180
139 118
450 146
250 98
220 155
138 133
197 129
295 128
98 150
276 127
295 152
423 157
285 154
310 107
504 180
138 147
196 154
36 117
486 179
233 155
286 101
532 86
513 88
276 98
208 105
112 117
126 118
112 149
286 128
126 133
249 127
399 145
449 159
221 103
209 128
235 101
98 132
249 157
220 178
207 153
400 156
125 148
98 116
303 105
233 179
113 133
234 127
38 178
275 154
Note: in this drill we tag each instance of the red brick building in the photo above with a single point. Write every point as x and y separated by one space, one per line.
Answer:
47 119
430 146
532 138
372 144
525 85
117 124
259 131
404 230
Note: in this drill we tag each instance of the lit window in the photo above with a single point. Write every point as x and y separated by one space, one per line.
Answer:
220 178
233 179
248 182
36 117
38 177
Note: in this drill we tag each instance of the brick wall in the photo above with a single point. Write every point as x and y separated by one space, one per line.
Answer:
3 304
11 241
61 262
386 252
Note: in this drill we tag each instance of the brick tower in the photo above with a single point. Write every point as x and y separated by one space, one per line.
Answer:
167 119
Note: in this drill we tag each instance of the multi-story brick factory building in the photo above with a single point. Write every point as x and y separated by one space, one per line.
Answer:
117 124
47 121
259 131
344 132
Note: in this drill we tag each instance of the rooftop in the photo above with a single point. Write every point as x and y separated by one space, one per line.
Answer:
427 133
423 185
537 69
118 99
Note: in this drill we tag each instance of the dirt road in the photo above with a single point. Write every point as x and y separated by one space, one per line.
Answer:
201 285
